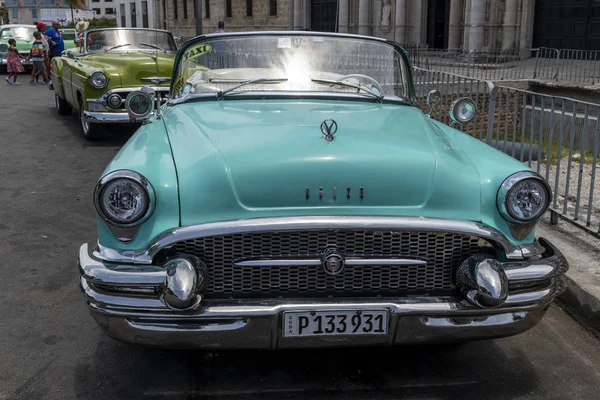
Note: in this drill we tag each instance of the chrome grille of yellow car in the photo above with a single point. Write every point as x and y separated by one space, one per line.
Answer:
441 251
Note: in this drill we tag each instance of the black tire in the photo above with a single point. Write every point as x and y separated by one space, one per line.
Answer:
91 131
62 107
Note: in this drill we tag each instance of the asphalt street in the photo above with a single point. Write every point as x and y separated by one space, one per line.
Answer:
50 348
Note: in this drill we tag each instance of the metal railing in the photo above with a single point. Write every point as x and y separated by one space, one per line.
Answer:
558 137
563 65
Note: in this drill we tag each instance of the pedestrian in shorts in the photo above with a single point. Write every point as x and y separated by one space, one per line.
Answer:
37 54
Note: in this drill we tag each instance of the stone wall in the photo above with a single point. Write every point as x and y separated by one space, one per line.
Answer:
239 21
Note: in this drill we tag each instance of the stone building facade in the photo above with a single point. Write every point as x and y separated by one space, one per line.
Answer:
449 24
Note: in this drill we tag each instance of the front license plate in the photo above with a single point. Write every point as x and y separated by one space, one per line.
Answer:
329 323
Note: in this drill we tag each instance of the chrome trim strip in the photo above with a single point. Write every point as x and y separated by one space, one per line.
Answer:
310 262
278 263
383 261
115 304
415 224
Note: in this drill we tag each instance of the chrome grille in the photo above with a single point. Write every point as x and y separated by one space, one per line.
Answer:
443 251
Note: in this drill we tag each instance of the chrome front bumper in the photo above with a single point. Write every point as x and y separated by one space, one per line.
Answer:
107 117
127 301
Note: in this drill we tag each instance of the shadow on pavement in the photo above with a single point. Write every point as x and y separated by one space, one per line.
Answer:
477 369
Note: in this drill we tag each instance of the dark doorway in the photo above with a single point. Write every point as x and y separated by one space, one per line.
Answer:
323 15
438 21
567 24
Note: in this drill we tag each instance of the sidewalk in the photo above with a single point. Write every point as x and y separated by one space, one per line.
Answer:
582 298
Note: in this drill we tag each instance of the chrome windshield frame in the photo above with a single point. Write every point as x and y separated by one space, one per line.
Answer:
202 38
85 49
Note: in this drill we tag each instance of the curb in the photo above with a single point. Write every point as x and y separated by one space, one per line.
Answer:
581 302
581 298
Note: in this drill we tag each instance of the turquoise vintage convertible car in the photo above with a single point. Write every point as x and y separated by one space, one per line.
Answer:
290 193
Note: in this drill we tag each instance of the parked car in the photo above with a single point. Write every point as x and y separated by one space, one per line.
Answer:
96 79
290 193
23 34
69 35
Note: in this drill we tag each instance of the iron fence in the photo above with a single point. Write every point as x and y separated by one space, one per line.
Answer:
564 65
558 137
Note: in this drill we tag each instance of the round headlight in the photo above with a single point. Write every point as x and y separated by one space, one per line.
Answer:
114 100
3 48
139 104
524 197
463 110
124 198
98 79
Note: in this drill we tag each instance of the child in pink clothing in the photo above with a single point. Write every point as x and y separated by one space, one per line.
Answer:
13 63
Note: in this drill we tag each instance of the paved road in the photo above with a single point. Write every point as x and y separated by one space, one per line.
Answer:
51 349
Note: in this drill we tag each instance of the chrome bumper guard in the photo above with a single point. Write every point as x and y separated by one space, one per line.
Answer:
128 302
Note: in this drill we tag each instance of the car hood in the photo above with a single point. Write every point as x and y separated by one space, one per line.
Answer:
241 158
133 67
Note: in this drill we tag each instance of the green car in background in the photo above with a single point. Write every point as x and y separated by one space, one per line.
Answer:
69 36
96 79
23 34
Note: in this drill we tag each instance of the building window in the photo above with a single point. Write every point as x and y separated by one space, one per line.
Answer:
164 24
206 8
272 8
185 9
133 15
15 14
145 14
228 8
248 8
175 16
123 16
109 11
96 10
34 14
95 1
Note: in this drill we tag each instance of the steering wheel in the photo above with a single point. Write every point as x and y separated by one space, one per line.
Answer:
361 76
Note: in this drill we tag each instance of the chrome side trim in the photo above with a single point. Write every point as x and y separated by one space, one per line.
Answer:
415 224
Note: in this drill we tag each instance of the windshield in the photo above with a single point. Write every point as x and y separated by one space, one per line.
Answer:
128 40
19 32
230 65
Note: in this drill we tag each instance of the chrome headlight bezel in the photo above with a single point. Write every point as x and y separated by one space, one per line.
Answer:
3 48
455 109
510 184
103 81
125 175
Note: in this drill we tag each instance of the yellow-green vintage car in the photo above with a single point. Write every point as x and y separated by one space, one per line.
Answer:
96 78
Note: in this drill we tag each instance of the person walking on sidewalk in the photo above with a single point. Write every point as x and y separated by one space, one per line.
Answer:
13 63
37 55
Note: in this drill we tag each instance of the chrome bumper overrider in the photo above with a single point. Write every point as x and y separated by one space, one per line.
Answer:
128 302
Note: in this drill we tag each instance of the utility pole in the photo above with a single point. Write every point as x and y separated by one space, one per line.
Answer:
198 15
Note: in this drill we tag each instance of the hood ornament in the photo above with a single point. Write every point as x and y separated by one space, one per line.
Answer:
329 128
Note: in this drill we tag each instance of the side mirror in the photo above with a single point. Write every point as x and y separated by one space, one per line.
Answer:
140 104
433 98
463 111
